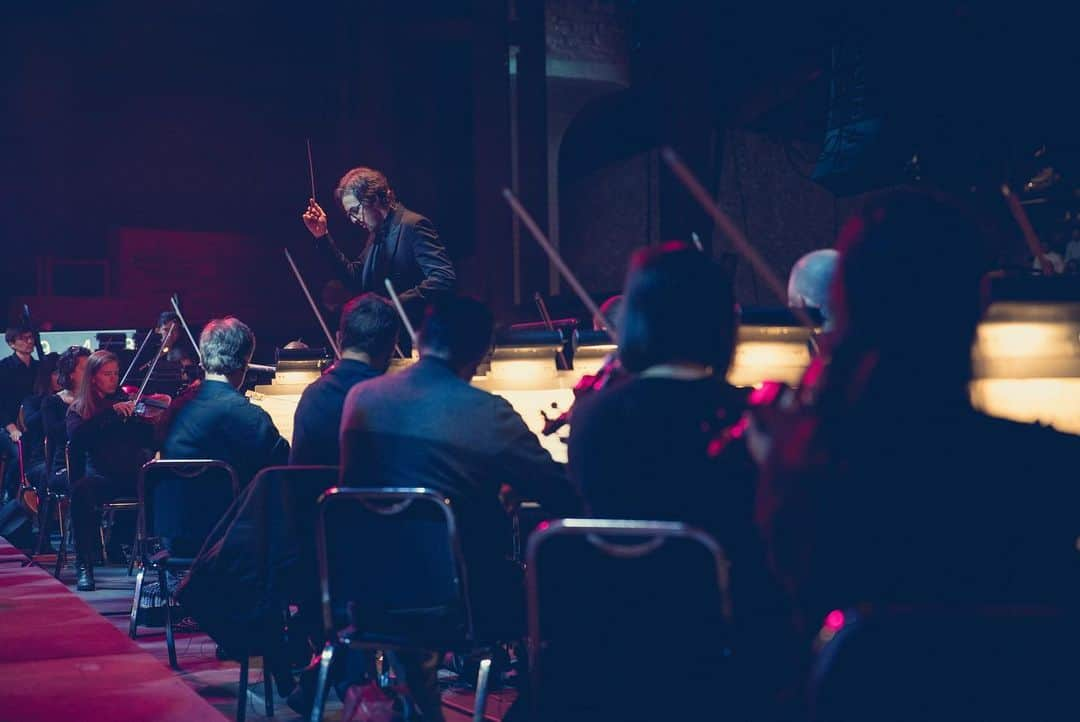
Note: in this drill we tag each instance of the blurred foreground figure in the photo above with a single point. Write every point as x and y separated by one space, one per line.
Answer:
885 485
810 280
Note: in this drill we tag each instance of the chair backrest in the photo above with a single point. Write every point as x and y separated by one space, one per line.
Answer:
626 594
289 506
985 663
391 565
182 499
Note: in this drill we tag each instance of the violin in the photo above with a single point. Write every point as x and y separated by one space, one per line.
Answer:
589 384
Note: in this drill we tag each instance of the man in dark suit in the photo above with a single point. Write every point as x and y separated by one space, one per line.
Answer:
218 422
366 336
401 245
427 426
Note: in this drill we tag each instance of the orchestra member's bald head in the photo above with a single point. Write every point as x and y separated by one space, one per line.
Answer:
811 279
458 330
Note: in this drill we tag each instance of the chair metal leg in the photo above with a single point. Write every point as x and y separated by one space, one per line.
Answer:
322 686
108 519
65 525
241 692
136 552
170 642
268 688
44 517
135 601
482 689
104 547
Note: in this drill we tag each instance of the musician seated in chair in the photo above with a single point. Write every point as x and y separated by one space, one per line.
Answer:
33 420
217 421
69 372
366 336
106 452
427 426
17 373
640 449
179 364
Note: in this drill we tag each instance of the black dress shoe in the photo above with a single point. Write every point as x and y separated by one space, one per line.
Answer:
84 577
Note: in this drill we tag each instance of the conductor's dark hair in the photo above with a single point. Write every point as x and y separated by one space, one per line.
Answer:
678 306
459 328
369 324
368 185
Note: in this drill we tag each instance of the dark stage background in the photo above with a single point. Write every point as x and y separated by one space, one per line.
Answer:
165 142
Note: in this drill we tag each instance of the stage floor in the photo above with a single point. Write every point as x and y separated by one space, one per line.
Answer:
216 681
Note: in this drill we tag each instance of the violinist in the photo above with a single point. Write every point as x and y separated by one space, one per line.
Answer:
178 366
106 453
218 422
69 372
17 374
885 486
366 335
33 419
639 449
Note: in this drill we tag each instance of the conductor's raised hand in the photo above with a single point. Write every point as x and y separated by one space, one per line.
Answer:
315 219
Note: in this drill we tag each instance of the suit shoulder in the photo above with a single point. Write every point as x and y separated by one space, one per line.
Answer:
413 220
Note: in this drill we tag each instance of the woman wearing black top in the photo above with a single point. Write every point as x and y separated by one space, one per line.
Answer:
640 449
54 410
106 452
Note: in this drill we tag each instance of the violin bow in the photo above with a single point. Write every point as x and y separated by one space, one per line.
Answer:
729 229
135 358
564 270
545 316
187 329
1022 220
33 329
153 365
401 311
311 302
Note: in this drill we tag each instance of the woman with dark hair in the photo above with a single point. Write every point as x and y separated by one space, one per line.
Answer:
33 438
107 450
69 372
640 449
886 486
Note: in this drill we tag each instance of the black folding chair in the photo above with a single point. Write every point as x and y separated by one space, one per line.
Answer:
393 578
203 486
610 601
108 511
937 663
63 501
